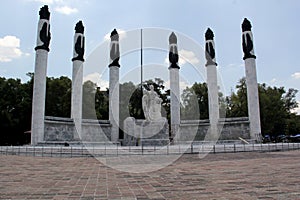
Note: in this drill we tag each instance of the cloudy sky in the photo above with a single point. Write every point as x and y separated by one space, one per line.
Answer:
275 27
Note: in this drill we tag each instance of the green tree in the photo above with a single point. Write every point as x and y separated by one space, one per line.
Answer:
58 97
293 124
237 103
128 104
88 100
195 102
101 104
190 107
15 106
275 107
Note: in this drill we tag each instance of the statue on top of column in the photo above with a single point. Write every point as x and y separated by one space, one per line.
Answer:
210 53
247 40
173 51
79 42
114 49
44 35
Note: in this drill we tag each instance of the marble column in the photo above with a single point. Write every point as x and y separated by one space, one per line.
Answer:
251 81
212 82
174 85
114 92
77 76
40 71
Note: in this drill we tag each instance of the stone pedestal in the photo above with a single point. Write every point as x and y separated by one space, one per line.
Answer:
145 133
212 84
38 98
77 76
114 102
251 80
40 70
253 98
175 101
213 98
76 99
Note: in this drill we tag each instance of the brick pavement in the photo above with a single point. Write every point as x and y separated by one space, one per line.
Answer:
248 175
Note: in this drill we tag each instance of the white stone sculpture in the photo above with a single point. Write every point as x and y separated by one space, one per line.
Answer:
152 105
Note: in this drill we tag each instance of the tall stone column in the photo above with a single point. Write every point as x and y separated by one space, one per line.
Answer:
174 85
212 82
114 93
251 81
40 70
77 76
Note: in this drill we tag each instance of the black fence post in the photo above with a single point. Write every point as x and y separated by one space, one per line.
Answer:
117 149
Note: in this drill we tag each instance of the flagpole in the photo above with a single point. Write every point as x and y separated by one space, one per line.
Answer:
141 72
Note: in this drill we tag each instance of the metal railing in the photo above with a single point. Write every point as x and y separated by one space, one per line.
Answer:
117 150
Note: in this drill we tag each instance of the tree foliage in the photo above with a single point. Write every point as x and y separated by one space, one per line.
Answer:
237 102
15 116
58 97
276 104
275 108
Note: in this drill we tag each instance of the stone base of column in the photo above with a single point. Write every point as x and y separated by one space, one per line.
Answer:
253 99
175 133
213 93
213 133
114 100
114 133
38 98
175 103
76 99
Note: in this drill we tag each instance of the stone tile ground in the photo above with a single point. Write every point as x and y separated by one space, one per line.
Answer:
249 175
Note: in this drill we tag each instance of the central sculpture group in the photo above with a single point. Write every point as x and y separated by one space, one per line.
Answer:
152 105
154 129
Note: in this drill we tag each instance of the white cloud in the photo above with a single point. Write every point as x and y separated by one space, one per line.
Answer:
122 35
97 78
185 56
61 6
44 1
9 48
235 65
296 75
274 80
66 10
48 2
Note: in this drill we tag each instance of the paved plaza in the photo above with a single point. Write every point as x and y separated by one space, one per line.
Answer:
248 175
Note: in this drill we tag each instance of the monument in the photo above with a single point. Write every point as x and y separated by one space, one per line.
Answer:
174 85
154 130
114 91
212 83
40 71
251 80
77 76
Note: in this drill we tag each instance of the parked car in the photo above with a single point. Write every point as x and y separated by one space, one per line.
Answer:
294 138
274 139
281 138
266 139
